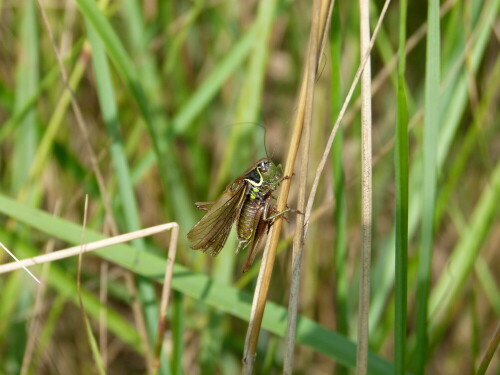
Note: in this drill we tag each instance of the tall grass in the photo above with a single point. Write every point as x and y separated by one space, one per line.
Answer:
401 216
162 87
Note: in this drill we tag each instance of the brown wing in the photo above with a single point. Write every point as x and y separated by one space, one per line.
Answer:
210 233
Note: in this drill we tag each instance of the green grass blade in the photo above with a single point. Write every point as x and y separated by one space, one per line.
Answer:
178 331
54 125
94 347
478 126
250 99
401 175
45 84
11 290
487 281
110 116
247 110
161 86
49 327
26 85
198 286
109 112
115 50
340 216
456 90
430 146
461 262
65 285
490 352
176 196
212 84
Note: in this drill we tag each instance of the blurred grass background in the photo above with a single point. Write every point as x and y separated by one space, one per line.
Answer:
170 93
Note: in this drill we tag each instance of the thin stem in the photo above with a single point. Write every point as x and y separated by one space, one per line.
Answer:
347 100
265 273
366 194
298 241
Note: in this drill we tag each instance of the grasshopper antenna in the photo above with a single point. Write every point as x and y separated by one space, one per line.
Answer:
255 124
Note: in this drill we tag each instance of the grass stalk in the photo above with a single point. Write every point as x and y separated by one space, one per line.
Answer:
270 253
159 92
64 284
139 319
487 281
339 184
430 146
454 88
298 240
27 79
250 98
103 318
109 111
479 123
81 124
461 262
401 158
99 364
490 351
195 285
167 287
91 246
36 323
45 84
366 192
340 116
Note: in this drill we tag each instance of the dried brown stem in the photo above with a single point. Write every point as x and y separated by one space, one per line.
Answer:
342 112
298 242
366 193
167 286
262 288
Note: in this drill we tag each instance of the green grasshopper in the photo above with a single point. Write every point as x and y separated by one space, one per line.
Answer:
246 201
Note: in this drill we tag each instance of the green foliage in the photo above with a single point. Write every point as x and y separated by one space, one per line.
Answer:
164 88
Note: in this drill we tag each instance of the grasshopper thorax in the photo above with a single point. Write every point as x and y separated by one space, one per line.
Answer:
263 178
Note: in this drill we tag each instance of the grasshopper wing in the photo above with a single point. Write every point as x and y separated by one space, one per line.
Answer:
210 233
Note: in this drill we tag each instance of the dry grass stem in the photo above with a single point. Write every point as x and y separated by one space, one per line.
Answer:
94 161
265 274
103 303
81 125
18 263
490 351
91 246
81 250
388 68
140 322
36 324
167 286
366 193
342 112
298 241
256 298
98 360
118 101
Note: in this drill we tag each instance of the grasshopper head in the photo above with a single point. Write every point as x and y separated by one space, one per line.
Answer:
269 171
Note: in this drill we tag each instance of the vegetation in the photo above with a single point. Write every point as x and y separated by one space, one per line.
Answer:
149 107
